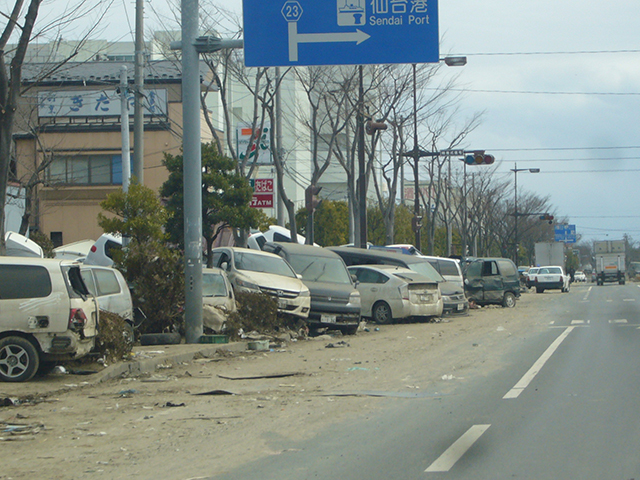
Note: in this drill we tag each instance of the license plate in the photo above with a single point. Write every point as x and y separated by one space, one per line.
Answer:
328 318
461 306
282 304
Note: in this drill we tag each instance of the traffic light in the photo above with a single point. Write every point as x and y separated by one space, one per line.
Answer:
311 199
547 217
372 127
479 158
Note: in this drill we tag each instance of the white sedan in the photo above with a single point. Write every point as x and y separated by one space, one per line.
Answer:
579 276
550 278
388 292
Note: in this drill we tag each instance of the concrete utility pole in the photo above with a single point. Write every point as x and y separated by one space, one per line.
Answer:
124 128
191 46
138 105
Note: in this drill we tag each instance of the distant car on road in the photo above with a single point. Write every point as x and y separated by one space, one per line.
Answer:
530 276
552 278
579 276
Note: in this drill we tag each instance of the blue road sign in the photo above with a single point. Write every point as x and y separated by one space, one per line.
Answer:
565 233
339 32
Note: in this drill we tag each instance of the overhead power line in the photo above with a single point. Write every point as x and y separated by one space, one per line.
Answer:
576 52
534 92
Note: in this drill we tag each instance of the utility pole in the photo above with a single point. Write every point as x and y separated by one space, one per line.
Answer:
191 47
124 128
138 107
361 231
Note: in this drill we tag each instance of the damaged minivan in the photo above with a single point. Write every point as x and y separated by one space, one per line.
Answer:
47 315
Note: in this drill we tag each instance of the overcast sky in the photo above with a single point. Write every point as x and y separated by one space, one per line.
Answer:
559 82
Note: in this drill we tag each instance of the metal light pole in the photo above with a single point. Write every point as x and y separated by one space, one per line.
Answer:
191 46
515 171
417 153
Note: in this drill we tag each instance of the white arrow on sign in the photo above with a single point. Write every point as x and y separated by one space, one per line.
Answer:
295 38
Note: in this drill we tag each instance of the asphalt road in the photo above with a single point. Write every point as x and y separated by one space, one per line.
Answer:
562 405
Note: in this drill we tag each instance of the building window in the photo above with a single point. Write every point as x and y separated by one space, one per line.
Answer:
56 239
85 170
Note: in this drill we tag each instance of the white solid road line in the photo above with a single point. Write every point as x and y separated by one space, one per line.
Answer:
449 458
533 371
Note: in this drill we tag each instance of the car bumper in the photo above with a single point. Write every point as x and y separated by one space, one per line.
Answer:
409 309
456 307
550 285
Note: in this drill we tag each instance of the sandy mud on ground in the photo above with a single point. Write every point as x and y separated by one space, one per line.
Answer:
207 416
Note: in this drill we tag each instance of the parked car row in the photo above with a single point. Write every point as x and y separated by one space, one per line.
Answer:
49 308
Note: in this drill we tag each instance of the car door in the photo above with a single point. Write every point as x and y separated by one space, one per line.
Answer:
493 287
370 283
474 282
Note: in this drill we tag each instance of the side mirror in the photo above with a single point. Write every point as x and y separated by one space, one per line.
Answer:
466 281
224 266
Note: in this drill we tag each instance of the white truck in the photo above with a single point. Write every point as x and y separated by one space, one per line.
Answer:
549 254
610 261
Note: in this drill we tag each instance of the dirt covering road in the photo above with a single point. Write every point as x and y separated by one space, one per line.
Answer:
203 417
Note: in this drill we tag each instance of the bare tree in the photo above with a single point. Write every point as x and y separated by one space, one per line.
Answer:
11 76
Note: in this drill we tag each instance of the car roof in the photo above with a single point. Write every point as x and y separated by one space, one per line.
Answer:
299 249
393 256
247 250
37 261
395 269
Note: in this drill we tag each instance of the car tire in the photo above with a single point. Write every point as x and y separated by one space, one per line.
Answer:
160 339
509 300
19 359
539 290
381 313
349 329
129 333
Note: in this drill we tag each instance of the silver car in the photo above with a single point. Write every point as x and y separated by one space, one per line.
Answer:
388 292
261 272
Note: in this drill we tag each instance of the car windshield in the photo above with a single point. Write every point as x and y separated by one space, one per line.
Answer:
320 269
554 270
213 285
263 263
425 268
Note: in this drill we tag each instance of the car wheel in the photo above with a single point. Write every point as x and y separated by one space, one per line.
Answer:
349 329
381 313
509 300
539 290
19 359
129 334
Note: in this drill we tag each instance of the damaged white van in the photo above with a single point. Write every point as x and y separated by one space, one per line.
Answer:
47 315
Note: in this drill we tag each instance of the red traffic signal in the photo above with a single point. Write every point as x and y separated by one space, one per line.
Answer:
372 127
547 217
479 158
310 197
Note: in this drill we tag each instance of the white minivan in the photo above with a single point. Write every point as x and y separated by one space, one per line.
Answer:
47 314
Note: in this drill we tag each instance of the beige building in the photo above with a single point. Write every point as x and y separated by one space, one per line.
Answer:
70 122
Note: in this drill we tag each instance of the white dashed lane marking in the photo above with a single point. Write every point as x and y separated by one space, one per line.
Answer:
452 454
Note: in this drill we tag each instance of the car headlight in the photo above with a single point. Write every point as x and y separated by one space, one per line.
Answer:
446 298
305 292
354 298
247 285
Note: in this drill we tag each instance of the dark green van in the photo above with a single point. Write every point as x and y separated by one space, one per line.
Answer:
492 281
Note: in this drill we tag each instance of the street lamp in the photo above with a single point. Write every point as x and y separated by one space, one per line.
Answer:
515 171
416 153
